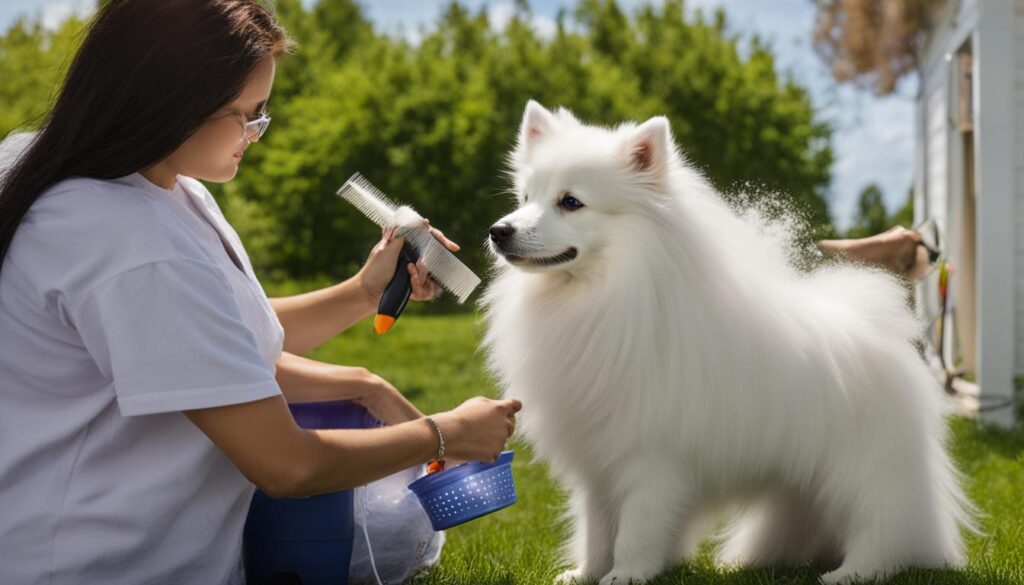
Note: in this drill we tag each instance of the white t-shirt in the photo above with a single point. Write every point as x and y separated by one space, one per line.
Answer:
119 308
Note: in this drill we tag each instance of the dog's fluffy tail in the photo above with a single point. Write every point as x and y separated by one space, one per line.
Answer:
873 296
960 511
878 300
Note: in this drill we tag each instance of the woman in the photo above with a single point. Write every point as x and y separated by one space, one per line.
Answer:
141 401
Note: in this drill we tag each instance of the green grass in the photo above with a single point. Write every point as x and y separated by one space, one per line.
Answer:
435 361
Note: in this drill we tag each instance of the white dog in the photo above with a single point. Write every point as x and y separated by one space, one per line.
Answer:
671 360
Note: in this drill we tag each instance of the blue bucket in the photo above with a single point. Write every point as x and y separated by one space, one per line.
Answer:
305 541
465 492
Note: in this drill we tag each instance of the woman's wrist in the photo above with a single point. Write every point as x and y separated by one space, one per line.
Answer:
440 438
368 299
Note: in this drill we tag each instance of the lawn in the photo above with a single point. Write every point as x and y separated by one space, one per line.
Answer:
435 361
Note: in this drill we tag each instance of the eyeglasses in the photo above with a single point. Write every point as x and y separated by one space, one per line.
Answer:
253 130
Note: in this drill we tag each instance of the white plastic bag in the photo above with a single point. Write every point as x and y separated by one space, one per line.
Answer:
401 539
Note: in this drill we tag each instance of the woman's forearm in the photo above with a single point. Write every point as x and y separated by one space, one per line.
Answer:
310 319
286 461
305 380
345 458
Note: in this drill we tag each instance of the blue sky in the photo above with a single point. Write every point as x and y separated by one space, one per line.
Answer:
873 139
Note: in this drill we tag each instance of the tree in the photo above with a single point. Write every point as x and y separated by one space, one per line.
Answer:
904 216
33 61
873 43
872 216
431 122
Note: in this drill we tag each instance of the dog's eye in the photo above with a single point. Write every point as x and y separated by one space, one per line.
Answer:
571 203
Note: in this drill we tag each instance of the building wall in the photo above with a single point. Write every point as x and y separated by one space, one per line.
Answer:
1019 171
995 29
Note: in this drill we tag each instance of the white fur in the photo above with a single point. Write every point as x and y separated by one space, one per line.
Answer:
680 363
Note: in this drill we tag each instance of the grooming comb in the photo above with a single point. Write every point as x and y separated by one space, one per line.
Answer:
442 265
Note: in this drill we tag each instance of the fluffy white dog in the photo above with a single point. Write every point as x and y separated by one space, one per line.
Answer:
673 361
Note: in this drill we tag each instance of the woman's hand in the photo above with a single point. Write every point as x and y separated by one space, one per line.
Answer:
478 429
385 402
379 268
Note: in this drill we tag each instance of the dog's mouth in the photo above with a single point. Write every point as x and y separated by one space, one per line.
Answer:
566 256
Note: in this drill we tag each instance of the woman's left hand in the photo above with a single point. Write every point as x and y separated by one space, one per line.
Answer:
379 269
385 402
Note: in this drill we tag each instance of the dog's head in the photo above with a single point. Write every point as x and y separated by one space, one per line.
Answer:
577 187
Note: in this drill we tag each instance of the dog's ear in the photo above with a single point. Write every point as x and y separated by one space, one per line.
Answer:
537 123
650 146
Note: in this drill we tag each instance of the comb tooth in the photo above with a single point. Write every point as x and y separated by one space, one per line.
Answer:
447 270
368 200
361 181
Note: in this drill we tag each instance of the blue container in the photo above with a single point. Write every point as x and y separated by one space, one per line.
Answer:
467 491
304 541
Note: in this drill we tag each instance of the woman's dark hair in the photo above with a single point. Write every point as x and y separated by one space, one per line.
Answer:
148 73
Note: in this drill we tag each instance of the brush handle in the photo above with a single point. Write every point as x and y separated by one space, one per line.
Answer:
397 292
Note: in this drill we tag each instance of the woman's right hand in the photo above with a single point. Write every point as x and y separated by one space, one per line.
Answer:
478 429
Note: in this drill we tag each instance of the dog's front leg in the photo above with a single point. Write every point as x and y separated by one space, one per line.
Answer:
593 534
654 510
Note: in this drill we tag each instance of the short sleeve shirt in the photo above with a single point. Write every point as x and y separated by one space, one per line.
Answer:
122 304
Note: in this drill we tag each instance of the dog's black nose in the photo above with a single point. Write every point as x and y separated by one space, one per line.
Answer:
501 232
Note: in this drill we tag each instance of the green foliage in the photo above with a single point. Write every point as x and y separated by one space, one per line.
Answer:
904 216
33 61
431 123
873 217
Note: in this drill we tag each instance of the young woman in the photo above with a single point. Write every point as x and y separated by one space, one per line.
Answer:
143 373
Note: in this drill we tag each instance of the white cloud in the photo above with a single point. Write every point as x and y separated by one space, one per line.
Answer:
499 14
544 26
57 11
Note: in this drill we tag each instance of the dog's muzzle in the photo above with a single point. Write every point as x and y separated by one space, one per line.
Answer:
501 235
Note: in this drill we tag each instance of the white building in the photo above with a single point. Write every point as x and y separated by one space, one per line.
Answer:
970 180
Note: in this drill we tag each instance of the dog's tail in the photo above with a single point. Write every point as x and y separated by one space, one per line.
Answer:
960 512
873 297
879 300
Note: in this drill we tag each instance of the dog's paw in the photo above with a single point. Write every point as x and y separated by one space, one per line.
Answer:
573 577
847 576
624 577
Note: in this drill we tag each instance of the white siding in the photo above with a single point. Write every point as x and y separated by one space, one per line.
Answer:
1019 168
995 29
933 191
937 134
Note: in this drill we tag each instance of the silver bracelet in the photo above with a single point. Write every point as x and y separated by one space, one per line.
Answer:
440 438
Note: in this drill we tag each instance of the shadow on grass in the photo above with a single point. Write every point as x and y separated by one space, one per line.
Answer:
1004 442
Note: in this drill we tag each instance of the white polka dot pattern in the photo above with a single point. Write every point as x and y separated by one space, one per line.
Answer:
470 497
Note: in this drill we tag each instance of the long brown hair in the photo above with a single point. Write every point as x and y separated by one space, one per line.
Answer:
148 73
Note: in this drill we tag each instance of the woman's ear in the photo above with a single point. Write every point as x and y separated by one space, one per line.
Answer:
650 146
